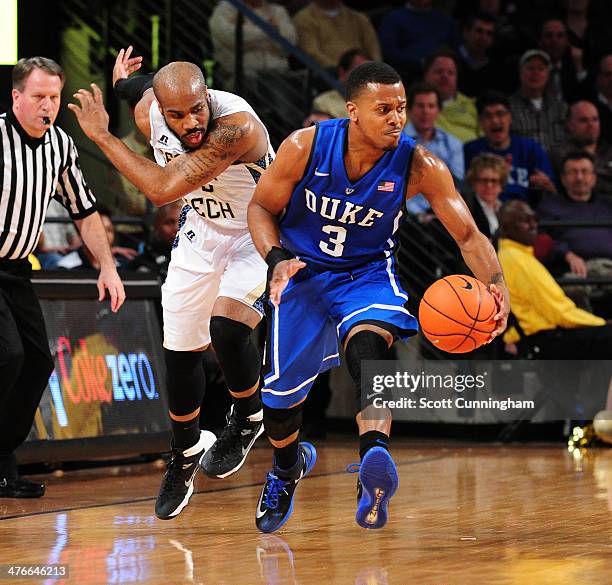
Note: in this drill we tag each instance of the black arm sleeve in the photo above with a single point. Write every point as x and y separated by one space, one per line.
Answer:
133 88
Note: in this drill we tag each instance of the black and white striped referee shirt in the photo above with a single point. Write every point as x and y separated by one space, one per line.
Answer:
33 170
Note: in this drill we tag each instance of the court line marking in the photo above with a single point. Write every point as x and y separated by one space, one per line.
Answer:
205 491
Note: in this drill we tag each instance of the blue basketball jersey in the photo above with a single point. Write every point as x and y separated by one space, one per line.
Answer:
332 223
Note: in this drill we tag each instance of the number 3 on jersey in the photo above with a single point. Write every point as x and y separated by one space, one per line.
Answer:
337 237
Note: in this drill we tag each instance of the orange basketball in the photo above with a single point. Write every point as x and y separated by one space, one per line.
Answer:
456 313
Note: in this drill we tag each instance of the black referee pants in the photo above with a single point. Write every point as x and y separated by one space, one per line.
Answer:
581 343
25 359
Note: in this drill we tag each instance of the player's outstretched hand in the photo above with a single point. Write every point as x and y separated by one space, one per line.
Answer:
109 279
283 271
124 65
92 116
503 309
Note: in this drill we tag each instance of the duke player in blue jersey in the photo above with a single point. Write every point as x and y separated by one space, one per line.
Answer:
324 216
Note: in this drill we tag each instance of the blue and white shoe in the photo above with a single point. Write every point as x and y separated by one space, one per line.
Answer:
276 499
376 485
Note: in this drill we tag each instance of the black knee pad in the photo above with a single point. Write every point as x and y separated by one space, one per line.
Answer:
281 423
237 353
364 345
183 360
185 380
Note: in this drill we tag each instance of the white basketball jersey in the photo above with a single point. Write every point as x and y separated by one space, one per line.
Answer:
225 199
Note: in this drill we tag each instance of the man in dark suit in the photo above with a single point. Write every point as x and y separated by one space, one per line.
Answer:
568 75
603 96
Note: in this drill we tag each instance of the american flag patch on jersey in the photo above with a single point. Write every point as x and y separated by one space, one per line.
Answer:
386 186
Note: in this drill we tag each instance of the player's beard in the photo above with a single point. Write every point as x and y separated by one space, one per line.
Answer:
186 143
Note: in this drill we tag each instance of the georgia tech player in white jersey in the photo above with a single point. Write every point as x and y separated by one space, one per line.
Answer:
225 199
211 148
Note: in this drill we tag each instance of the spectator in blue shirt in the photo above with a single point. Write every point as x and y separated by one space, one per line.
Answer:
531 172
408 35
424 105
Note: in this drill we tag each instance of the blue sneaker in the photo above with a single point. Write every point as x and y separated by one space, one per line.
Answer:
377 482
276 500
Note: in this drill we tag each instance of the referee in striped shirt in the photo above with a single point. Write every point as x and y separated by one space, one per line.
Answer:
38 161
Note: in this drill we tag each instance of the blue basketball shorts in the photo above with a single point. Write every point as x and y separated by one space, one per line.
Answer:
316 312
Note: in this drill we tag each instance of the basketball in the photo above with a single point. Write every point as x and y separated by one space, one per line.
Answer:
456 313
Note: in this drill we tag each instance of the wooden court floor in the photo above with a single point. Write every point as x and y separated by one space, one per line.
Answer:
485 515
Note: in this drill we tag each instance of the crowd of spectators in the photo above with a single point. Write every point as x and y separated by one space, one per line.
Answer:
514 96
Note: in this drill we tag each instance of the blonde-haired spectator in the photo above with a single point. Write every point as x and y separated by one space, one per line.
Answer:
487 177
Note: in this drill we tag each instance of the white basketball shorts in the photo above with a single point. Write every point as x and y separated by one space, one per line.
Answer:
207 262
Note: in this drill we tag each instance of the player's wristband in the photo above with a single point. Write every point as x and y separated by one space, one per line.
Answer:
274 256
133 88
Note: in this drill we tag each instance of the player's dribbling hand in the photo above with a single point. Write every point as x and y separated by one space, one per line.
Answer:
283 271
91 115
124 66
503 309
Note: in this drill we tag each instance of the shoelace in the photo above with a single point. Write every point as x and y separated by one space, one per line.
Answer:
174 469
354 468
275 486
228 435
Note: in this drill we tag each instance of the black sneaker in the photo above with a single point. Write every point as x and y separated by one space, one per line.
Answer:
230 451
177 486
12 485
276 500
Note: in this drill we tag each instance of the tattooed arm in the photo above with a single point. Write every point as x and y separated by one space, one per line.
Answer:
430 176
229 138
